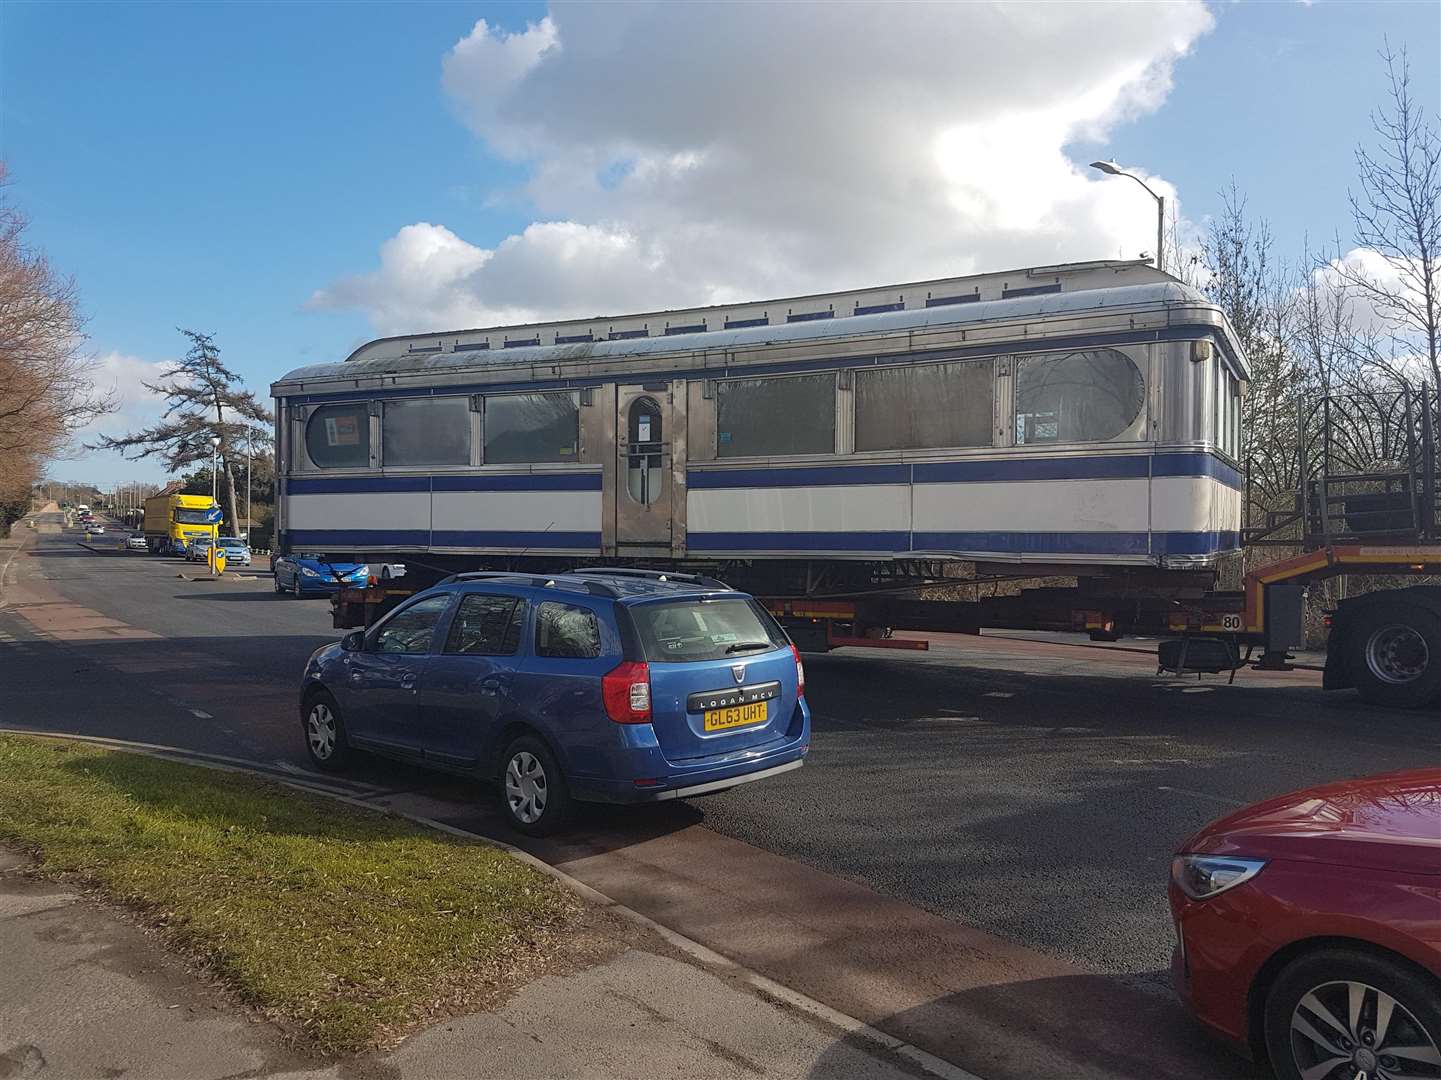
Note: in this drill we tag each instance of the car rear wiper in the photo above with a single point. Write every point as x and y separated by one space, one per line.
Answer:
740 646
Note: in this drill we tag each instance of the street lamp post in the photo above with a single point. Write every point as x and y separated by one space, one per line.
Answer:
215 468
249 436
1110 168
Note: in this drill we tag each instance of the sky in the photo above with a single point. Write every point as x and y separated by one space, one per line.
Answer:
297 178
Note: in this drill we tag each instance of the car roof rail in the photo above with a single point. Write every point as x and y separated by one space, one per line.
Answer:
516 577
655 575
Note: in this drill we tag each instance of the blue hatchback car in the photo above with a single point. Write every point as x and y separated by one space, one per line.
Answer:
604 685
313 575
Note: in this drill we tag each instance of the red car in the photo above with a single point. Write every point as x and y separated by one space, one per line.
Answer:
1308 929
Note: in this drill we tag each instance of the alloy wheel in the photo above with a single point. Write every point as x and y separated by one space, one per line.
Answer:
525 787
1397 654
320 729
1349 1030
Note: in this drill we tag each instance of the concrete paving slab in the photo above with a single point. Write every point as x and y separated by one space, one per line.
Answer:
85 994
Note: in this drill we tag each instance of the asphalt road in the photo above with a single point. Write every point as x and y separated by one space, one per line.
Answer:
1031 789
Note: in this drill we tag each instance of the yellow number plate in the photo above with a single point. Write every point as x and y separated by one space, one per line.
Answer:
735 716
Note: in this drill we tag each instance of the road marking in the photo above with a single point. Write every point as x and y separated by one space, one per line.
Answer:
998 693
202 714
1151 761
1202 795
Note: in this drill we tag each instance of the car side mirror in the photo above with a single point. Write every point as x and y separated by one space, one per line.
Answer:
353 641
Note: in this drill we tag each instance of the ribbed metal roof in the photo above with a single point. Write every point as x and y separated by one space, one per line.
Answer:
406 362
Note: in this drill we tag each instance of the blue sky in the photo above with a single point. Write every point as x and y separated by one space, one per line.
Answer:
215 165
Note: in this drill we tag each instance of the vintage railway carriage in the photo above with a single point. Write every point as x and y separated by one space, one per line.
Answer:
1064 415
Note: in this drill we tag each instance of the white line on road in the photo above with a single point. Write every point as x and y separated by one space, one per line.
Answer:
1202 795
202 714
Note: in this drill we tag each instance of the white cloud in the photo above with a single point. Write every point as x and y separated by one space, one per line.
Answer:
123 376
690 153
1376 268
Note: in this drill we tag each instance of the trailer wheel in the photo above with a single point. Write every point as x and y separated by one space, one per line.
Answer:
1394 655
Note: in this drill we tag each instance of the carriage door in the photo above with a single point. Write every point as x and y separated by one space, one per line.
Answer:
650 473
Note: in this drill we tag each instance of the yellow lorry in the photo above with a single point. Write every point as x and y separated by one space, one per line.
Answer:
174 522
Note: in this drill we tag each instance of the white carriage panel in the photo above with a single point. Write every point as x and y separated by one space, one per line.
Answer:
519 511
830 508
1048 506
364 510
1194 504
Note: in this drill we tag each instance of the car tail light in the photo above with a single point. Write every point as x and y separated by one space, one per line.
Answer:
800 673
626 691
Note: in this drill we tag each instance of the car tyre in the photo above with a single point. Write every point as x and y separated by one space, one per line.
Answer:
1394 655
533 793
324 731
1324 980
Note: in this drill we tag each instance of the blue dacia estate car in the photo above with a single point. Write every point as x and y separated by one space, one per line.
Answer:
595 685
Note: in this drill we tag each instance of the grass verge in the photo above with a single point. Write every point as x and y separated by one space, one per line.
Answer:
343 925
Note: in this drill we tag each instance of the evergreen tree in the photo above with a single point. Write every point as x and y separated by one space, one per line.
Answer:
204 400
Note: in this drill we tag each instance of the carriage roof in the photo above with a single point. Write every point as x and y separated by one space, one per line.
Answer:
456 352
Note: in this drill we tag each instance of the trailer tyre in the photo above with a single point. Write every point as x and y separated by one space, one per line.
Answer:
1394 655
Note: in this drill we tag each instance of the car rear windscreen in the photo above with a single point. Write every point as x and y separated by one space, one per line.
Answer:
688 630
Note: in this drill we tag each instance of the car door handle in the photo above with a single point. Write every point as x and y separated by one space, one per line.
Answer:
490 685
407 680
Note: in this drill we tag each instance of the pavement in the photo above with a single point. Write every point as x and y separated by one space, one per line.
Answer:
972 860
84 993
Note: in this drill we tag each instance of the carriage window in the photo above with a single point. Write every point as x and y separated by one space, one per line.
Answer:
1090 395
338 436
1228 411
925 405
521 428
792 415
426 431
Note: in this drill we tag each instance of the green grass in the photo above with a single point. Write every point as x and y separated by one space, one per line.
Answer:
345 926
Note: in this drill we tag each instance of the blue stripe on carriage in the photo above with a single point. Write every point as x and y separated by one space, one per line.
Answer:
521 482
1038 543
589 481
334 485
1197 465
798 541
1089 467
819 476
423 538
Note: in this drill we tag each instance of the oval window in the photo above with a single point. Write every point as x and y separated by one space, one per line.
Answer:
1090 395
338 436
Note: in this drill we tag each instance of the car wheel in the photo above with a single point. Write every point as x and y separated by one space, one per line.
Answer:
533 791
1364 1014
1395 655
325 739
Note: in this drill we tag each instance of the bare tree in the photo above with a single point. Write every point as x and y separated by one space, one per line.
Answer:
47 391
1240 274
205 400
1397 214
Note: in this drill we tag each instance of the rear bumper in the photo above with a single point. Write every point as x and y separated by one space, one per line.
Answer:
723 785
639 773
